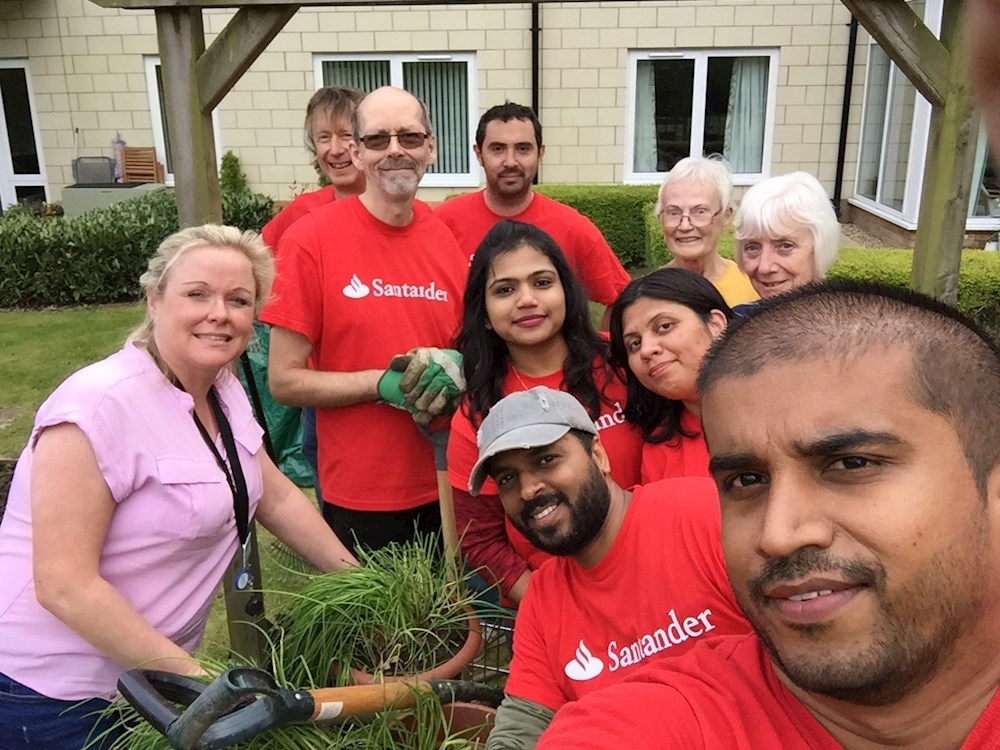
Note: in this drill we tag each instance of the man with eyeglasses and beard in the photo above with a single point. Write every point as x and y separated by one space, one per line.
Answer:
388 280
638 575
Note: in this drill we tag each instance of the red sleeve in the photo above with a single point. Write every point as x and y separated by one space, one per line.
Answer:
296 300
485 545
600 271
531 675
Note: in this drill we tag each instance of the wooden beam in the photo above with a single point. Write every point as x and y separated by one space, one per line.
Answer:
153 4
902 35
944 200
235 49
182 41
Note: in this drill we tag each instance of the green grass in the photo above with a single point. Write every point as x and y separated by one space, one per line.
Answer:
38 349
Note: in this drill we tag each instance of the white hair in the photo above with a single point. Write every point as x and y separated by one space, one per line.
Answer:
771 207
708 170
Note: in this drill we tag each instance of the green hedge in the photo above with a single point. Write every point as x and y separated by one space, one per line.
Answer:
97 257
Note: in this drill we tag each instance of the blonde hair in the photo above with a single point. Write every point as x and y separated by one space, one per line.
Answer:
154 279
710 170
778 204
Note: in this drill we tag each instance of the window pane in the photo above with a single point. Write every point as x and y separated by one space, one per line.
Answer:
161 94
443 86
20 127
876 95
736 111
897 146
366 75
30 194
985 197
673 90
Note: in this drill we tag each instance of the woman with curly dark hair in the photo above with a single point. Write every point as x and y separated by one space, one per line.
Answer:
526 323
661 326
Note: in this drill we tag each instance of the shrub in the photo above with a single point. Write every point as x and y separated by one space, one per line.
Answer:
97 258
619 211
231 177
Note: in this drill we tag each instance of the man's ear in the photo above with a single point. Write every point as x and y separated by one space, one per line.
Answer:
479 154
541 153
600 456
355 154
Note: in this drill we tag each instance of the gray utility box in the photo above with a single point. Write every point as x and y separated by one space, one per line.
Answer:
78 199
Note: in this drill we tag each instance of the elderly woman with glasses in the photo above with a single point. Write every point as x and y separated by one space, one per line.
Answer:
693 208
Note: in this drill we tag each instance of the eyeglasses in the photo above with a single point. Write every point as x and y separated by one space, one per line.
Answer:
380 141
700 216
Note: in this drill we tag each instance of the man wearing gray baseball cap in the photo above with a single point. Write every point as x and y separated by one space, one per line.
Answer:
637 575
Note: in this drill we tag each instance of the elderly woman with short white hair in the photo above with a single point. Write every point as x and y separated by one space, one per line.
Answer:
787 234
693 206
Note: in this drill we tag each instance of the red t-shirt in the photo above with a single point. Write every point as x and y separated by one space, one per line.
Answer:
679 457
722 695
361 295
589 255
489 539
661 589
299 206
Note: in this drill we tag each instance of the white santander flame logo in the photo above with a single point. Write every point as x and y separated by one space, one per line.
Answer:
356 289
585 666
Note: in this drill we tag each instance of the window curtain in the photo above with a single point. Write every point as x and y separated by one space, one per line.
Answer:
444 88
366 75
644 137
745 117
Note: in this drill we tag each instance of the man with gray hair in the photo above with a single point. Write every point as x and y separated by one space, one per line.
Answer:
854 433
637 575
389 280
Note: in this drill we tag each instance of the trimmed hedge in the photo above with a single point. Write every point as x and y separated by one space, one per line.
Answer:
98 257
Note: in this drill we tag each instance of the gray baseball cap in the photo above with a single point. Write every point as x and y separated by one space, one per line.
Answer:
526 419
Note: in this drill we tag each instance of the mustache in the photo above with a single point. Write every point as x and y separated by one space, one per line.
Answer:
540 501
508 172
398 162
812 560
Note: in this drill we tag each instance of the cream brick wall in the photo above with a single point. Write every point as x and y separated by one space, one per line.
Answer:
88 76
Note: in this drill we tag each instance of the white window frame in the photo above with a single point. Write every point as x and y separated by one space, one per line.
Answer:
917 159
469 178
701 57
156 121
8 180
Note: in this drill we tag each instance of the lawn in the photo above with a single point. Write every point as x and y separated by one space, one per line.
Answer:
38 349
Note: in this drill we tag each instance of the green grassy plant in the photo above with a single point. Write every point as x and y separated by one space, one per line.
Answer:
396 614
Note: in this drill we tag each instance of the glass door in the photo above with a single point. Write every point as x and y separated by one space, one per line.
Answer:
22 173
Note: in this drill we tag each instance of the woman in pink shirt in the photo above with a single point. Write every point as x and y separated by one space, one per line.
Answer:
135 491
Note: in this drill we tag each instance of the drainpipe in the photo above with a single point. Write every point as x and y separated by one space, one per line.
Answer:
536 33
845 113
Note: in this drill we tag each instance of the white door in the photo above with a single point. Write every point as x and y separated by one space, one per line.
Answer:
22 173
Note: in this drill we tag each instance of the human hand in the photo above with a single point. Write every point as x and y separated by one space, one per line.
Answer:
432 382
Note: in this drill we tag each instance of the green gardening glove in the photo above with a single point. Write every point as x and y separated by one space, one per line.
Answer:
388 385
432 382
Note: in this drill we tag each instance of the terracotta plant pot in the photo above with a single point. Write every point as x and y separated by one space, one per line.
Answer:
447 670
467 721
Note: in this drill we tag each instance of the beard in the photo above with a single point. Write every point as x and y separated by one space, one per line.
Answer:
403 182
588 513
915 631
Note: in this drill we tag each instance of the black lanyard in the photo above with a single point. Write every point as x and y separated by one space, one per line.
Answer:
234 470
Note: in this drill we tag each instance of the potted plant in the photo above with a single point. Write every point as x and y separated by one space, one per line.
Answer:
401 613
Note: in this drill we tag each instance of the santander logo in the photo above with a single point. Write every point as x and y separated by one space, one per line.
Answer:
356 289
585 666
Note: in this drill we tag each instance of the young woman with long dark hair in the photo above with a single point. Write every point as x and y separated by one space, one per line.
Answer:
661 326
